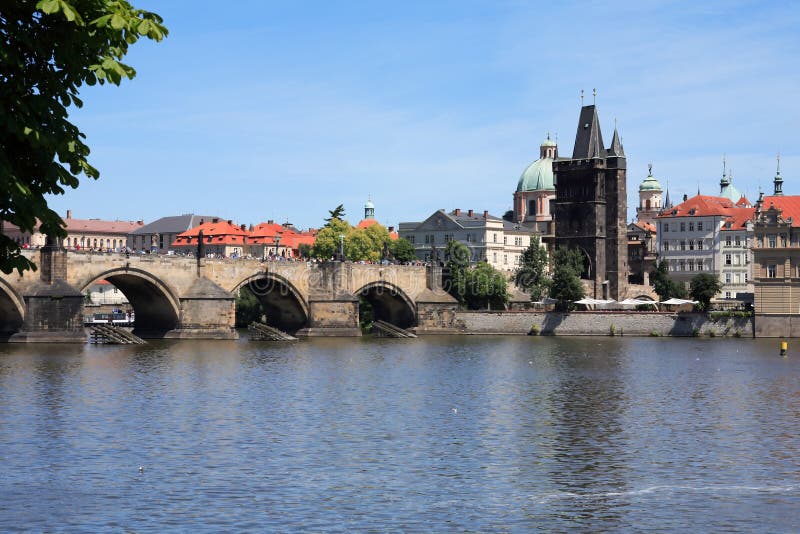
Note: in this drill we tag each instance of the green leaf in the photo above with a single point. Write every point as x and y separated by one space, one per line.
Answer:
48 6
117 22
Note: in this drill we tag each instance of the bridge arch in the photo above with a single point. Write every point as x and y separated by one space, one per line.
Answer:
284 306
155 304
12 309
389 303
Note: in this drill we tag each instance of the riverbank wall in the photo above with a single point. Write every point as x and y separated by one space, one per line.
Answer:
602 323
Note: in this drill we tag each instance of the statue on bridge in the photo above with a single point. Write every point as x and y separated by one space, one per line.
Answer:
201 247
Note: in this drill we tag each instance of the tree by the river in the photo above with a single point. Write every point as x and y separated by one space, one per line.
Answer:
50 49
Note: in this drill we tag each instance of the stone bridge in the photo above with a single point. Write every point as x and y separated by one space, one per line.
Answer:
182 297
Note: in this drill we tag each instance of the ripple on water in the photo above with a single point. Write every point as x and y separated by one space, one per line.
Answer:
476 433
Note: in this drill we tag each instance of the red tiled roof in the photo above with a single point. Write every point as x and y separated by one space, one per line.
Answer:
789 206
366 223
214 233
743 202
699 206
738 219
98 226
646 226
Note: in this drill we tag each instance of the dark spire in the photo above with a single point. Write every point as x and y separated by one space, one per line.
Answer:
588 139
616 144
667 201
778 181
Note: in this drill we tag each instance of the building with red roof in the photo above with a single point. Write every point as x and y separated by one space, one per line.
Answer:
709 234
369 220
776 265
220 238
82 234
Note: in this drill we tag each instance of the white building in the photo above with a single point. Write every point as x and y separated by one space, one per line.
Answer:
708 233
495 240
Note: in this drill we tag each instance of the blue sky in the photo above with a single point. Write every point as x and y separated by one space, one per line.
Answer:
257 110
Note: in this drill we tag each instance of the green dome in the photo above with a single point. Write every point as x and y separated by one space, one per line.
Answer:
650 184
728 190
369 205
538 176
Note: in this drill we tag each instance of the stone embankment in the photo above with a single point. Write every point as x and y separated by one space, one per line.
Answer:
602 323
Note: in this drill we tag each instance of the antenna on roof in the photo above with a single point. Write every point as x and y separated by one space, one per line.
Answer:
581 97
698 187
779 162
594 96
650 169
724 163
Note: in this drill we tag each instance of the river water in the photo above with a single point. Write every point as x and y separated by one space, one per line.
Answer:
430 434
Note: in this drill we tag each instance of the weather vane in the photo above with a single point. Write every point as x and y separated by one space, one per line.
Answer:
594 96
650 169
581 97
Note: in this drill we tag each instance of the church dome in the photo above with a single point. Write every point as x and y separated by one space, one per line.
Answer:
548 141
538 176
369 205
650 184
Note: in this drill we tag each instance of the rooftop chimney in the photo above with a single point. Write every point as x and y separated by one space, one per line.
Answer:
215 220
230 221
485 214
270 221
391 229
469 213
457 212
243 227
69 214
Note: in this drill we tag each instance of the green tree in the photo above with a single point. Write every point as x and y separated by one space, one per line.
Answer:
456 255
402 250
703 287
304 249
566 286
531 275
327 242
50 49
248 308
664 286
361 245
336 214
485 287
379 240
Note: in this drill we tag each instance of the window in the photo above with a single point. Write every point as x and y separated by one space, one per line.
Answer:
699 244
727 278
410 238
494 257
727 294
772 271
727 240
665 245
683 227
448 238
728 259
666 227
505 240
494 238
691 227
738 241
470 237
505 259
427 238
681 265
700 265
691 265
691 244
783 240
683 246
772 241
699 226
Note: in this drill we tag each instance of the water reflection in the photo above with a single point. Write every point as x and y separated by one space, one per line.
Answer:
478 434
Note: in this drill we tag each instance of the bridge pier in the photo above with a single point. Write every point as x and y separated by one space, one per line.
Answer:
207 312
53 308
332 317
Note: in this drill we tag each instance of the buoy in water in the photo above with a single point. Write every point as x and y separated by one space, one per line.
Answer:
784 348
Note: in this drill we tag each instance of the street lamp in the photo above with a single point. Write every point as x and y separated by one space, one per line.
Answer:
341 247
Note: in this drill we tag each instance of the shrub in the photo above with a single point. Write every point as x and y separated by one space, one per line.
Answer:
534 331
655 333
695 332
612 330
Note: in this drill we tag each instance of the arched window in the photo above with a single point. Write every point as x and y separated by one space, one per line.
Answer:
647 204
532 207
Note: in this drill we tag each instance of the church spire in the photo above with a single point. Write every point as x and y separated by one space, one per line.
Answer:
616 145
588 139
778 181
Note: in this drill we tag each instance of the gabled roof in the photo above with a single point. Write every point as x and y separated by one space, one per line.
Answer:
174 224
644 226
788 204
589 138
